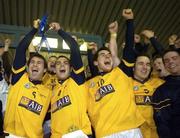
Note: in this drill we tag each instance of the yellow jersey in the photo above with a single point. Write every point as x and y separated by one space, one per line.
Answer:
69 109
111 105
50 80
27 105
143 93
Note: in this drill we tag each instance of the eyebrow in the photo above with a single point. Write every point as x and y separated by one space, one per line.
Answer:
104 53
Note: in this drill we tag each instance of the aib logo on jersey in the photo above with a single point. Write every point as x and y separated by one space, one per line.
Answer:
143 100
30 105
62 102
103 91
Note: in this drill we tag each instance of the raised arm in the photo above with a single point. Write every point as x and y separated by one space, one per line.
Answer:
20 56
129 54
157 46
171 40
92 48
75 56
128 51
139 47
113 29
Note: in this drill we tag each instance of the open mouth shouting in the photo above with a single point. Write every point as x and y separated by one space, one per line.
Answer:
62 70
52 65
34 71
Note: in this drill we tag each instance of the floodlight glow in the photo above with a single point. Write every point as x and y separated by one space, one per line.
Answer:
53 42
83 47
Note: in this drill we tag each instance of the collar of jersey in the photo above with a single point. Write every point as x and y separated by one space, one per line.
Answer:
35 82
142 81
62 81
102 73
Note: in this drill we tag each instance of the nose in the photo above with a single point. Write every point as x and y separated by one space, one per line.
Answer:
107 55
61 65
53 62
171 61
156 66
144 66
35 64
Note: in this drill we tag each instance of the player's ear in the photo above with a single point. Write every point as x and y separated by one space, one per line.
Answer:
45 70
71 68
95 63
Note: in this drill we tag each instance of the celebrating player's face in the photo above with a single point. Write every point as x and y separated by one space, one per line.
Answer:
51 64
159 67
36 68
142 68
62 68
104 61
172 62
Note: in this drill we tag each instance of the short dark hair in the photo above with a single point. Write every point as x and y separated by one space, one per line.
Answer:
39 56
52 57
64 57
170 50
143 55
156 57
100 49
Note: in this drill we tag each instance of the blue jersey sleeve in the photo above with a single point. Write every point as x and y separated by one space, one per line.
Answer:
92 67
157 46
20 56
129 55
75 58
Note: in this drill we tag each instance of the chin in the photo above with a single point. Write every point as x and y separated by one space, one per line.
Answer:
34 79
174 72
62 77
108 70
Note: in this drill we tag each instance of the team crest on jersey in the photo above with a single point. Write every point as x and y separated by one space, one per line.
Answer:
103 91
61 103
135 88
27 85
143 99
92 84
30 105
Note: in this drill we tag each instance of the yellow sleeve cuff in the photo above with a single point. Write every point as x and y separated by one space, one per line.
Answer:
79 70
114 35
128 64
19 70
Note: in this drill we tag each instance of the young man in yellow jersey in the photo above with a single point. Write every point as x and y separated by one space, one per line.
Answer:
28 99
144 86
68 104
111 107
50 78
